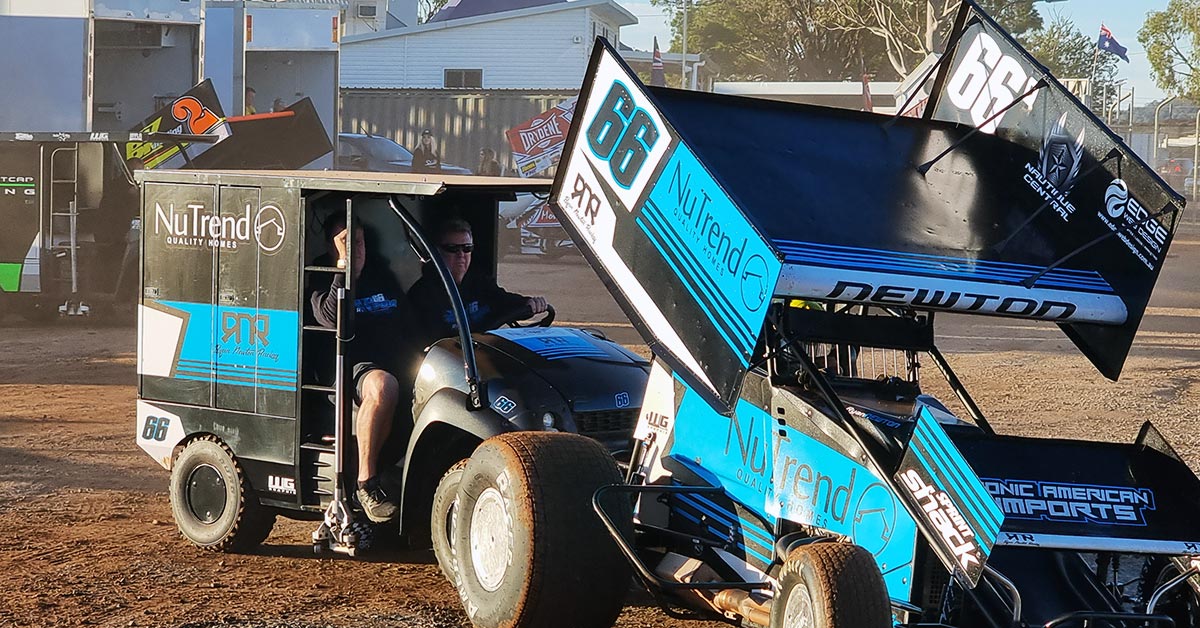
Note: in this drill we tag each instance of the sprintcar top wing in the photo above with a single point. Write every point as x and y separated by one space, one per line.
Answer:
696 208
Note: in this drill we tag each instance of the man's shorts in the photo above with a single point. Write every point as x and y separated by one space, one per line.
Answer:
358 374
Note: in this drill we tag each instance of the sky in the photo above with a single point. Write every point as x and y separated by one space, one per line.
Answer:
1123 17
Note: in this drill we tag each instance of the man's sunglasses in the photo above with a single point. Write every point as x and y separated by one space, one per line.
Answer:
457 248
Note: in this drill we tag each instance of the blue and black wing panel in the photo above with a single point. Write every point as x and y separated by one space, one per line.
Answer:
960 519
1081 189
675 248
1111 497
1042 214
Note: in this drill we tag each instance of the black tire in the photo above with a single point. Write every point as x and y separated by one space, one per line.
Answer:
1180 603
558 565
212 501
833 585
442 519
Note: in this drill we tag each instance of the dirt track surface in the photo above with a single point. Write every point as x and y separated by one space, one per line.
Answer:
88 537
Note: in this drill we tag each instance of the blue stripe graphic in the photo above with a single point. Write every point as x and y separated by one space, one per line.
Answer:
727 518
224 381
675 241
941 267
207 365
717 533
659 239
699 301
971 500
761 531
241 380
988 525
976 492
1014 268
980 529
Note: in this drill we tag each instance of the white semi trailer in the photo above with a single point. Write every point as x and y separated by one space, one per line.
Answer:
95 65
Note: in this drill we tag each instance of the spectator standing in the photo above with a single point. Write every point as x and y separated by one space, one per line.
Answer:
488 166
278 105
250 110
425 158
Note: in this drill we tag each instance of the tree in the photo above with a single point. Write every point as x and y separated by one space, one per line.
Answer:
791 40
1170 38
774 40
1068 53
428 8
913 29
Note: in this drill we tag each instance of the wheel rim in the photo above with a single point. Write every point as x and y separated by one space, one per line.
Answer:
799 610
491 539
206 493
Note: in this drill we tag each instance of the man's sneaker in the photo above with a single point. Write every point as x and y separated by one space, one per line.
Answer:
375 502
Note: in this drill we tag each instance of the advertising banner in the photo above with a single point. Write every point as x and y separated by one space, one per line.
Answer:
538 142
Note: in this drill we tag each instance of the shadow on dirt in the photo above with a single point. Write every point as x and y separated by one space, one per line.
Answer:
24 472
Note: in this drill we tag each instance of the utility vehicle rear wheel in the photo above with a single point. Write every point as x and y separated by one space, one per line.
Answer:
531 551
830 585
442 519
212 501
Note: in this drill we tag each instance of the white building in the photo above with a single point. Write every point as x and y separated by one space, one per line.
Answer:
540 47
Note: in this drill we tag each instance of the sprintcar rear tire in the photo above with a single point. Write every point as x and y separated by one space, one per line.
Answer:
831 585
442 519
531 551
212 501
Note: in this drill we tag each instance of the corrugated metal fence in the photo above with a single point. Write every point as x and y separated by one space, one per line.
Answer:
462 122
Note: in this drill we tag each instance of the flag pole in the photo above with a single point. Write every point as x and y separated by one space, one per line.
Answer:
1092 80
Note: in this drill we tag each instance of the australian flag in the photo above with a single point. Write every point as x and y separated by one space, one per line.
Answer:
1108 43
658 74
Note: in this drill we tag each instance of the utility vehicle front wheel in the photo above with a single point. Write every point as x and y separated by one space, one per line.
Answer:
831 585
442 519
530 550
212 501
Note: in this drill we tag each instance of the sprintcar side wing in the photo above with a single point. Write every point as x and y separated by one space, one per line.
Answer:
689 268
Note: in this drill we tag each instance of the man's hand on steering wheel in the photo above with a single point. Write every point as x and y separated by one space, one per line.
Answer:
527 310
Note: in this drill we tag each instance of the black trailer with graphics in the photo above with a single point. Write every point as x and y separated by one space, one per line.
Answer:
70 205
241 392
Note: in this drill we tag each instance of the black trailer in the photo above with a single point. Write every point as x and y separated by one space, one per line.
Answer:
240 391
70 210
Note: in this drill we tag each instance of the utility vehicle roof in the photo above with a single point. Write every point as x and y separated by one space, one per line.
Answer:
346 181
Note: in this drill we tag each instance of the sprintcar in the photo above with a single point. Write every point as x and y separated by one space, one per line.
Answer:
785 264
242 395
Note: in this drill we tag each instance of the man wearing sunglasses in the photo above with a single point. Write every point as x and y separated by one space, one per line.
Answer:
487 305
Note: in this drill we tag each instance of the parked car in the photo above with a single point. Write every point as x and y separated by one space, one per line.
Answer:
374 153
1177 172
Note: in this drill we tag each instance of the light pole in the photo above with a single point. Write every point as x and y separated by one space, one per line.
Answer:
683 57
1154 147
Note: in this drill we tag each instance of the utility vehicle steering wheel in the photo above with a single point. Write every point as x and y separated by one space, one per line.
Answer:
513 317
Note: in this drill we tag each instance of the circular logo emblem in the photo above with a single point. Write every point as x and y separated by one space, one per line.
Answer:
754 283
269 228
874 519
1116 198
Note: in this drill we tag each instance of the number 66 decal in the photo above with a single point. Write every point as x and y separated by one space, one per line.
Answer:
155 428
622 135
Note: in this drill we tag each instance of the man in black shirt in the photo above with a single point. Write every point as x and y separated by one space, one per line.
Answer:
382 348
482 299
